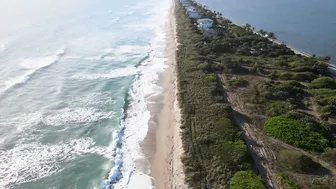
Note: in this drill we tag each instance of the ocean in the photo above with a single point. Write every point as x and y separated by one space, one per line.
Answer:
306 25
75 82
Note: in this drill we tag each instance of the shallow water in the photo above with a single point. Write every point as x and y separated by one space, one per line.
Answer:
75 78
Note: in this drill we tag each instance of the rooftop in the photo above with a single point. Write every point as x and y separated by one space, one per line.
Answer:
205 20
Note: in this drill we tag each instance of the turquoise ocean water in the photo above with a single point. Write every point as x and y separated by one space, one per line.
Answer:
75 79
308 25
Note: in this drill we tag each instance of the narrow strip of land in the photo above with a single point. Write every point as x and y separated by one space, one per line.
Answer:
252 107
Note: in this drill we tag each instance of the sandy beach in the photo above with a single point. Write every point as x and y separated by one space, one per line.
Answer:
163 145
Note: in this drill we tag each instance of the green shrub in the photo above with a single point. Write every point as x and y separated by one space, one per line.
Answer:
301 76
323 82
238 82
246 180
296 132
286 183
304 76
211 77
286 76
296 161
284 91
278 108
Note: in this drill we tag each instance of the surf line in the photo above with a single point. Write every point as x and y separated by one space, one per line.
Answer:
116 174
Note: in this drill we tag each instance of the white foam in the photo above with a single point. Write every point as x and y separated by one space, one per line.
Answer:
127 49
55 118
20 122
115 73
24 125
31 66
38 63
135 175
30 162
97 98
60 52
21 79
104 57
77 115
118 54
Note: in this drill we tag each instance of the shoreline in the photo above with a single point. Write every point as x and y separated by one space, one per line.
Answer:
277 41
163 144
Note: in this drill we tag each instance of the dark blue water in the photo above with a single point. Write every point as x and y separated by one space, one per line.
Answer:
308 25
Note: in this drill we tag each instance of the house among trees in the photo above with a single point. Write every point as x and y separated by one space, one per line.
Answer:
193 13
205 23
185 3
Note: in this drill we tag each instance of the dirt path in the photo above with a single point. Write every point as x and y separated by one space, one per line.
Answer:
261 156
258 142
317 159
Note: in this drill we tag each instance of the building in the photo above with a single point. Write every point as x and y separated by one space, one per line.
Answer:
205 23
185 3
193 13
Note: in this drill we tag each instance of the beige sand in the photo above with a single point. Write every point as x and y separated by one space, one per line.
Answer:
163 145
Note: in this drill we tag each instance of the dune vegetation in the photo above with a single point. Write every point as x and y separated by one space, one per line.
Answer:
288 98
214 148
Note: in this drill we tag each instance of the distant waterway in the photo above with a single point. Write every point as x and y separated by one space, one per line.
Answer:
309 26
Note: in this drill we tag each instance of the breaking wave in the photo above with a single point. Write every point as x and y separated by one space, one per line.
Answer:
31 66
30 162
115 73
126 172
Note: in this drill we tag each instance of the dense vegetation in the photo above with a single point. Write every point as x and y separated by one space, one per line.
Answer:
323 82
284 93
278 108
297 132
295 161
214 149
290 91
246 180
